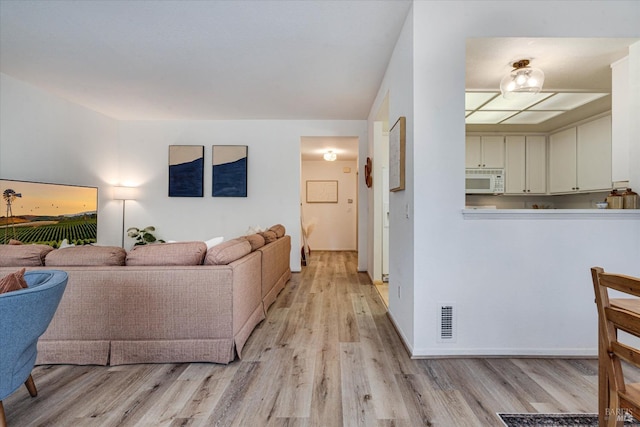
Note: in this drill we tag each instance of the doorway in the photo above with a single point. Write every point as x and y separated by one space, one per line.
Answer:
380 206
328 194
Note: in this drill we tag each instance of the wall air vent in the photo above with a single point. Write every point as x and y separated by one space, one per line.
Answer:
446 323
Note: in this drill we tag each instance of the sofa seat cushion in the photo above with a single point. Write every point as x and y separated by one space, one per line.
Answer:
227 252
179 253
86 255
23 255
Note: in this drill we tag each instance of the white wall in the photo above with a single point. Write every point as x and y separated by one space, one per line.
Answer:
273 175
520 286
334 223
44 138
47 139
398 83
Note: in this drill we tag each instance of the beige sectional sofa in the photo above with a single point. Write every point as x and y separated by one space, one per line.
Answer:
130 312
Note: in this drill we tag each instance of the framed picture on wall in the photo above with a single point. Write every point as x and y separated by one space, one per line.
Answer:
229 170
322 191
48 213
186 170
397 153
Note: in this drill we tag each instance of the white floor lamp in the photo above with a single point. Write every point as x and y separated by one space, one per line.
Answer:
124 194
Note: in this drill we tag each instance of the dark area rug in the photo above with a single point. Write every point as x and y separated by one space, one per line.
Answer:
556 420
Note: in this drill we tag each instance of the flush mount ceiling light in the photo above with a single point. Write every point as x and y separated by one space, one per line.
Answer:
330 156
522 79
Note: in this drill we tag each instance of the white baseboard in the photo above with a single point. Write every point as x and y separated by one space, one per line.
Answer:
403 338
426 353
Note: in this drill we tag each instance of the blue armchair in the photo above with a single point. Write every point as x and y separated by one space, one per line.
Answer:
24 317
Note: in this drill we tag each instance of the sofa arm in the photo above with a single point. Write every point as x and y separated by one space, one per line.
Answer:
247 297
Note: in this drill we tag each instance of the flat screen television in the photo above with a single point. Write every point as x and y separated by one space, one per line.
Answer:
46 213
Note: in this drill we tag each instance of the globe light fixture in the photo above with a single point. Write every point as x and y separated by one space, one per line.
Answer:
522 79
330 156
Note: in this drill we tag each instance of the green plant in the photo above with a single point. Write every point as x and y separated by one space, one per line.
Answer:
143 236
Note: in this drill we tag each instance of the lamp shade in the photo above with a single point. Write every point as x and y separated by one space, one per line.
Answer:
124 193
522 79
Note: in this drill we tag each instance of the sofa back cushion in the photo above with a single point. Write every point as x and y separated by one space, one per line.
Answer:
86 255
179 253
227 252
269 236
23 255
255 240
279 230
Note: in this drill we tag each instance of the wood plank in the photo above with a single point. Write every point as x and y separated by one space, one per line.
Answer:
230 403
213 381
555 378
357 405
377 366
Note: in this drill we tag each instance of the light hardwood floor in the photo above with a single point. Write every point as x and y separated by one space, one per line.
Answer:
327 355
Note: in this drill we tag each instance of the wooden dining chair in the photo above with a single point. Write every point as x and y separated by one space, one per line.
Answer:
616 397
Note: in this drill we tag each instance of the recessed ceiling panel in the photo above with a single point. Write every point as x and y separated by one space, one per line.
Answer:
473 100
520 101
531 117
567 101
488 117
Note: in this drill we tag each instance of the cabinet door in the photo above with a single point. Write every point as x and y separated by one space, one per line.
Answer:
473 151
620 119
562 161
515 165
594 155
493 152
536 176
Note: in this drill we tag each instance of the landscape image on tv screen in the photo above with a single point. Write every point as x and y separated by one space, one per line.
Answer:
43 213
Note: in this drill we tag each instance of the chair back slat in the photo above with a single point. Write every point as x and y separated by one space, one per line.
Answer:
615 395
627 353
627 284
622 319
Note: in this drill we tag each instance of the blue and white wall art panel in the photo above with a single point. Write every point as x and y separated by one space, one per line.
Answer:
229 170
186 171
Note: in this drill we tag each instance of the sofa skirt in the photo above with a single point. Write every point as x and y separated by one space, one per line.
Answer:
73 352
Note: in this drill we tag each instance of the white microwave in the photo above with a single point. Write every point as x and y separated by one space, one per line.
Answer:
484 181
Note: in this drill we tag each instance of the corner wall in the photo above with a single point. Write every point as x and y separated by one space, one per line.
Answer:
45 138
520 287
398 82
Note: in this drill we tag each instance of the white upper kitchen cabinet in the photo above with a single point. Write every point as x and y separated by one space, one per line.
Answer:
562 161
580 158
621 120
484 152
594 155
526 165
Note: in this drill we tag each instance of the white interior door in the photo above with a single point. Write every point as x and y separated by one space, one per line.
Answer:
385 224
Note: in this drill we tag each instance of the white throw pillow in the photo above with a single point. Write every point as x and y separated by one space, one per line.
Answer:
254 229
65 244
214 241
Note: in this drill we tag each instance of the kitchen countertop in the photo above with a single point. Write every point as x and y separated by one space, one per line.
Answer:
617 214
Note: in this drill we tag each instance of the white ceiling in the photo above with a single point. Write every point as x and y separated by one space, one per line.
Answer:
313 148
136 60
569 65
